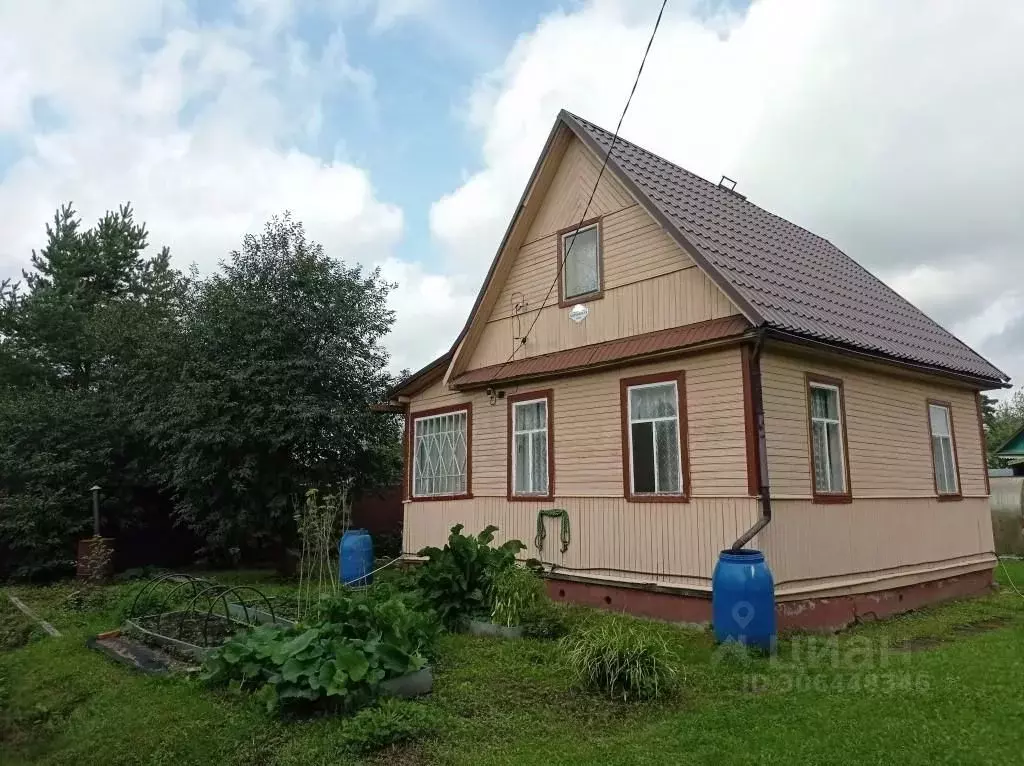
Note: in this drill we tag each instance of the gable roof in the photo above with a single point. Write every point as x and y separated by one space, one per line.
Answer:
1012 447
781 276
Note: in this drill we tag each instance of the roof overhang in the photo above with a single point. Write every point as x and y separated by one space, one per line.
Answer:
422 378
973 381
701 336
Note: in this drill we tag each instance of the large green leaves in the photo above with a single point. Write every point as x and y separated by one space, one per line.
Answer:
340 662
458 579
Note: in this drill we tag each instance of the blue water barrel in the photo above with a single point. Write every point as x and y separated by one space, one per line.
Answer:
355 552
743 599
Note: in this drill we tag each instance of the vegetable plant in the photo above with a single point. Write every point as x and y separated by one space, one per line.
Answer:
457 580
337 665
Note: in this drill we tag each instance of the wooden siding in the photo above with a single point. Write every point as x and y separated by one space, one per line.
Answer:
666 543
813 547
642 268
669 543
588 440
635 248
570 189
887 425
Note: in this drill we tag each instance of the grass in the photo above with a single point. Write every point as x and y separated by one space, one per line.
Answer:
952 696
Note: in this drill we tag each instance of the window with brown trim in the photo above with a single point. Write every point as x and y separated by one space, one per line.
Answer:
944 461
580 263
441 453
826 429
655 460
531 459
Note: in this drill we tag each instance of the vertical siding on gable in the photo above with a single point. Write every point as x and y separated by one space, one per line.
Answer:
650 283
887 426
671 300
567 196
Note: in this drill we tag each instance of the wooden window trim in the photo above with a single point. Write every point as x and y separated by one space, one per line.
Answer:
564 302
548 395
826 498
411 446
679 378
945 497
984 444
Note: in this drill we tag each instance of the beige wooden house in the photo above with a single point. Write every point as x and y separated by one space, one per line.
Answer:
688 373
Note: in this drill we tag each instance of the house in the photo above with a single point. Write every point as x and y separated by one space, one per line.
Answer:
700 373
1012 451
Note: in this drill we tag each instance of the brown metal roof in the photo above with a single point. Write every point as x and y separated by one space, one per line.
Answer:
779 274
609 352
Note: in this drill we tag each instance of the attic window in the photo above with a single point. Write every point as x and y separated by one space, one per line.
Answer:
581 269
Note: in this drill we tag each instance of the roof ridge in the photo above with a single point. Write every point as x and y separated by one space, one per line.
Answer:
734 196
784 274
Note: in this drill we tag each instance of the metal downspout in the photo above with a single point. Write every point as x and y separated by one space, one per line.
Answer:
762 451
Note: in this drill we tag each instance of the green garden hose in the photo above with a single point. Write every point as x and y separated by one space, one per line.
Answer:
564 534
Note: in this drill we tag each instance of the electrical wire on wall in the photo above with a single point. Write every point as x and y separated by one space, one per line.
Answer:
604 164
1006 573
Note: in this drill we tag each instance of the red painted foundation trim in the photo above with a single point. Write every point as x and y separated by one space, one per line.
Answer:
659 604
831 614
817 614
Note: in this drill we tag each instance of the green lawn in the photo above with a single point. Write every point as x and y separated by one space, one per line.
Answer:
955 698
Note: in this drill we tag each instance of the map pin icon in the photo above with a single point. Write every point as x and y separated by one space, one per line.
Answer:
743 613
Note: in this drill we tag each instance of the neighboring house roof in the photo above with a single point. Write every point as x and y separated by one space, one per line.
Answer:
781 276
1012 447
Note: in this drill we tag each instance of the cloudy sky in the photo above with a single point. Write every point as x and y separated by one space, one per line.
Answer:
402 131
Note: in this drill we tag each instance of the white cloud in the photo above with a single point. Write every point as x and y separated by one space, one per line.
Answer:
430 309
196 125
892 132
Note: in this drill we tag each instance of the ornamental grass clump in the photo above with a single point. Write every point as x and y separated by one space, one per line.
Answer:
620 658
516 592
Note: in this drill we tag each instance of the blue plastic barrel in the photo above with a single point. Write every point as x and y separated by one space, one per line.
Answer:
743 599
355 552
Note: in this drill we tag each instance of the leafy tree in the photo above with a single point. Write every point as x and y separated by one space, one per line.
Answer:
1002 420
67 342
277 366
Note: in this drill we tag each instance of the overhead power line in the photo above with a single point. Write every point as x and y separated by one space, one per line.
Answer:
604 164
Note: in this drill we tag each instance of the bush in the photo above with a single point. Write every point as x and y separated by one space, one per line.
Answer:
16 629
457 579
516 590
621 658
545 620
390 722
337 664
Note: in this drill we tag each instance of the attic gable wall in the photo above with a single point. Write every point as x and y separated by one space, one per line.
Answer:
650 282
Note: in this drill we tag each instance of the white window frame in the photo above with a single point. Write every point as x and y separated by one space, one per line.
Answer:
565 260
416 440
547 446
954 475
838 421
679 435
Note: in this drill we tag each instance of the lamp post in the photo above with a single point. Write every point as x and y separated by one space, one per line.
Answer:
95 510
